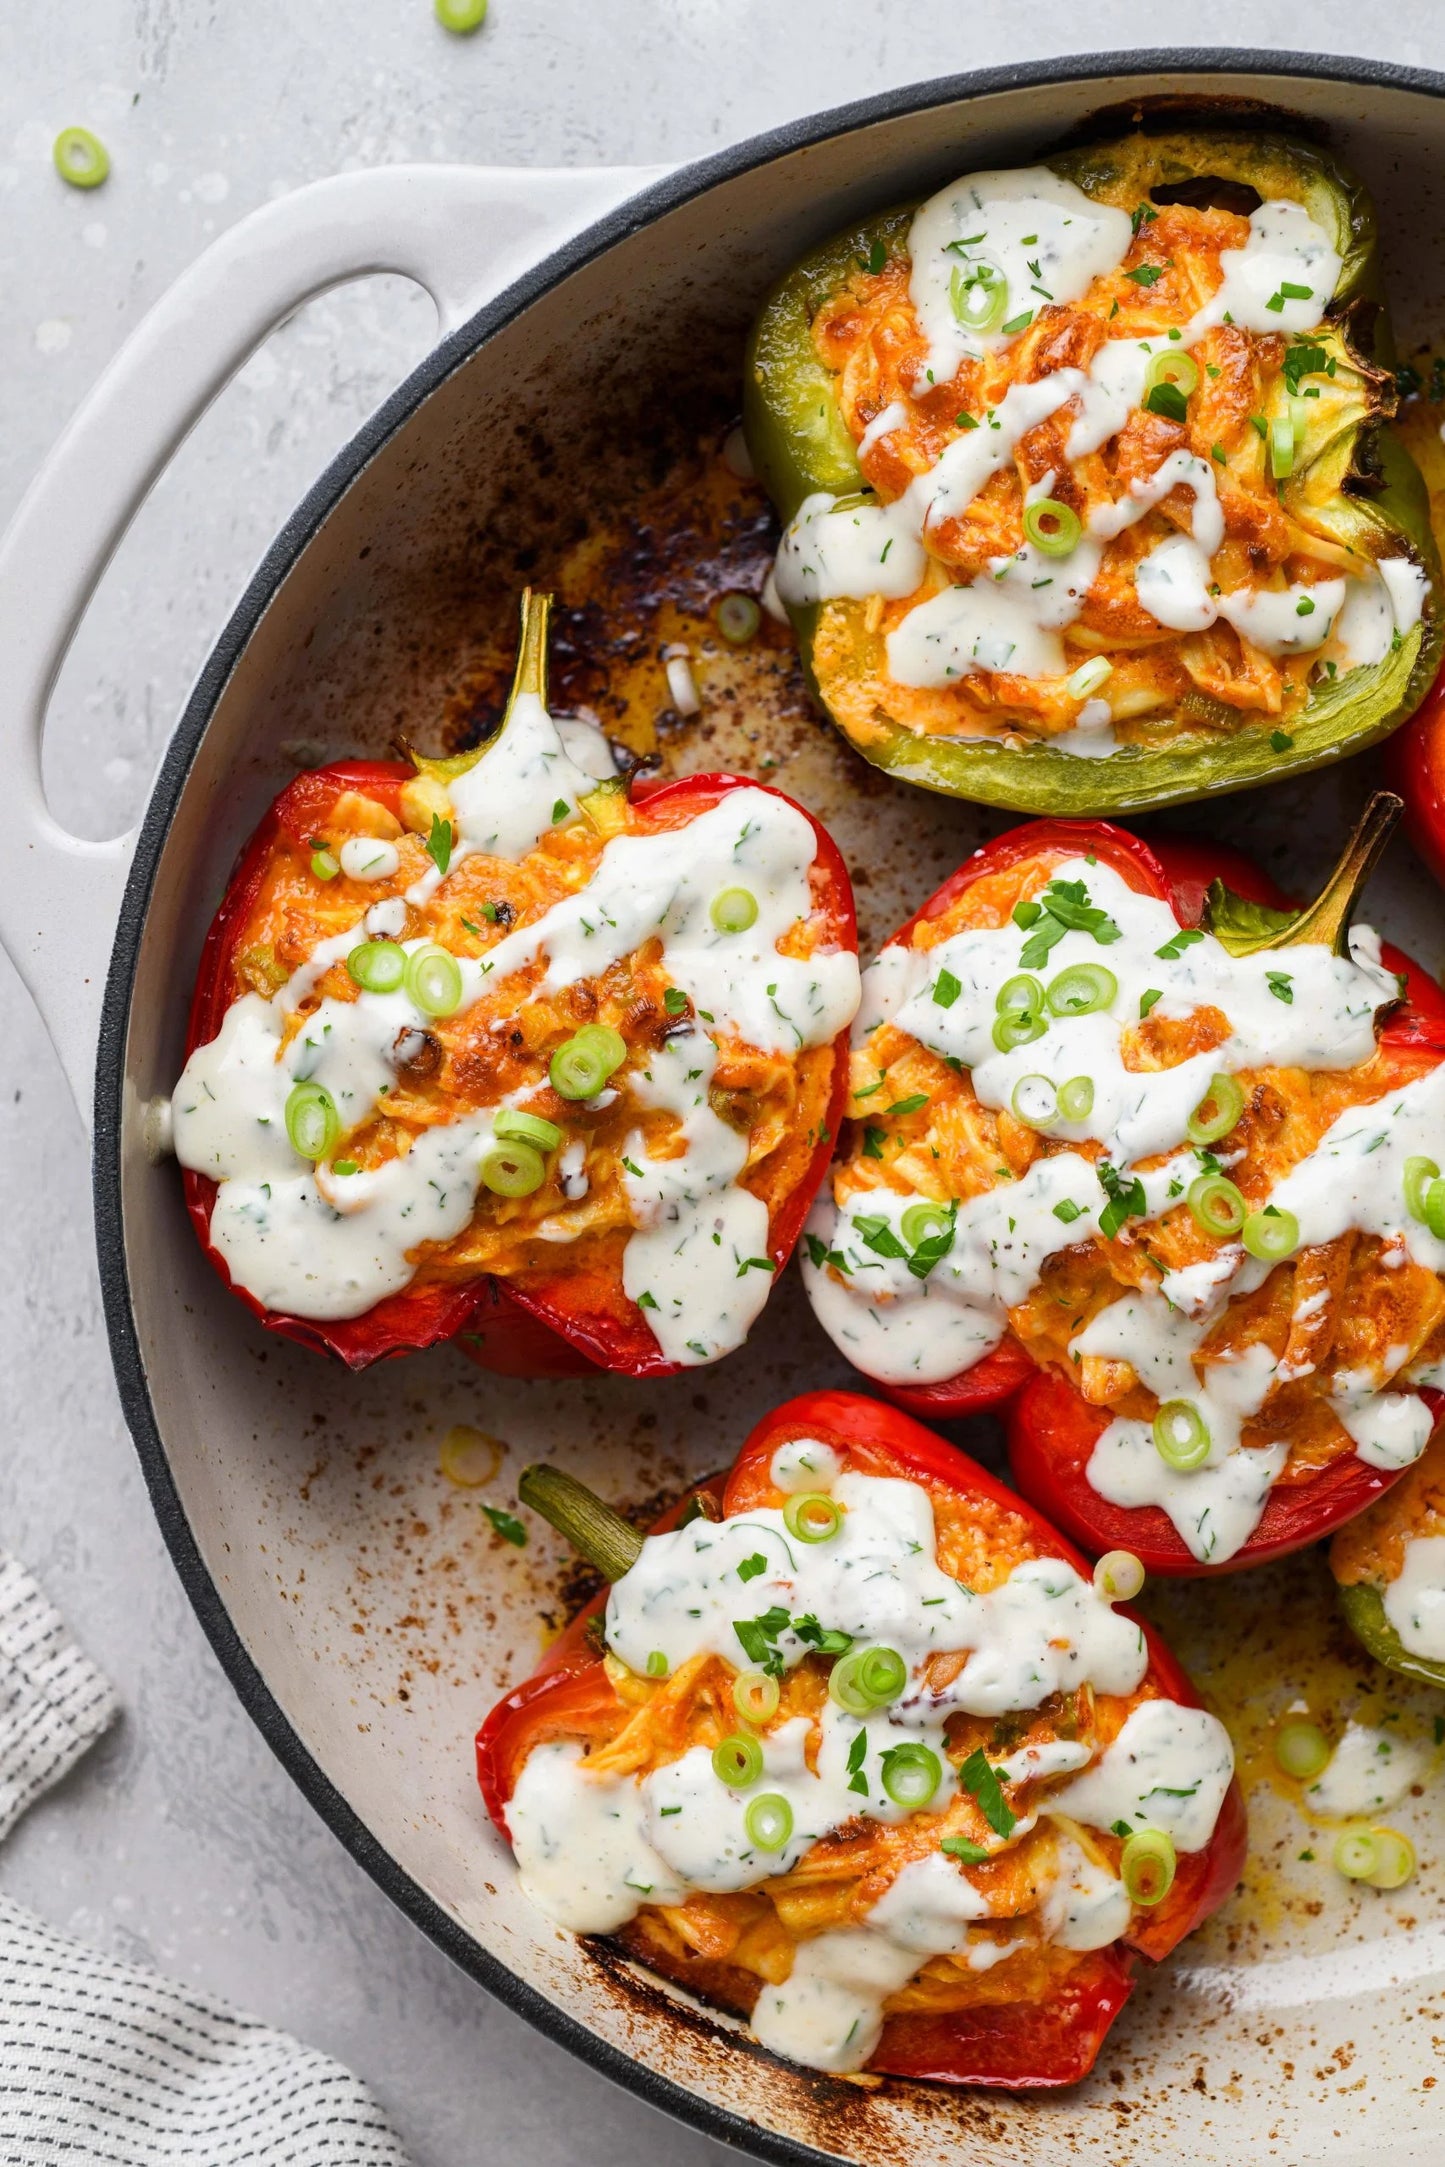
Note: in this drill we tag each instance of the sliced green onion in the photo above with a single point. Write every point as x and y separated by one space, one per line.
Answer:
1357 1855
1394 1859
1076 1098
1088 677
1180 370
511 1168
756 1696
434 981
1181 1435
979 295
1081 990
1227 1100
1419 1173
737 1762
812 1517
656 1665
1301 1748
734 910
312 1122
1035 1102
1435 1209
1271 1235
81 158
377 966
867 1678
1020 995
1118 1576
1215 1205
1020 1004
883 1674
911 1774
461 16
1017 1027
769 1821
1146 1866
737 617
921 1220
582 1064
508 1121
324 865
1281 447
1052 527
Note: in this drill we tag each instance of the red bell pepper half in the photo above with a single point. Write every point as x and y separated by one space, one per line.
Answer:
576 1322
1052 1428
1415 766
1018 2046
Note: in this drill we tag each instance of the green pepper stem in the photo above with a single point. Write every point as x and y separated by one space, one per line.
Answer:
594 1530
530 675
1326 923
531 671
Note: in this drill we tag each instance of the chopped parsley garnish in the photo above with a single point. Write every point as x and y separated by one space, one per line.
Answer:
756 1264
645 1300
966 421
751 1567
1304 359
1147 274
1280 740
560 811
1064 907
912 1105
977 1777
439 843
1120 1828
674 1000
1067 1210
961 1847
1018 323
876 257
758 1637
1176 944
511 1530
857 1754
1126 1199
820 1254
873 1142
946 989
1168 401
1281 985
1147 999
826 1639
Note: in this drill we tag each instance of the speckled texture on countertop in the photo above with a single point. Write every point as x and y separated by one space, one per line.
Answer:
180 1842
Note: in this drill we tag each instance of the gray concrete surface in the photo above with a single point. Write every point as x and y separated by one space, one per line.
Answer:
180 1842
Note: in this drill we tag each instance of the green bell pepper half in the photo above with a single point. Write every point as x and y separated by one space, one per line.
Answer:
1352 482
1364 1610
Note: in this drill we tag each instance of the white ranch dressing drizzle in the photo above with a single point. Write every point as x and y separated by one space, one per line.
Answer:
1009 221
306 1242
593 1850
867 549
901 1328
1414 1601
1368 1772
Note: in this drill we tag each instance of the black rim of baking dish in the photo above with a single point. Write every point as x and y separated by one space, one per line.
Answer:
1129 71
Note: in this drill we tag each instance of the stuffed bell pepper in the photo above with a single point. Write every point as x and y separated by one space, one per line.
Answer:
1390 1568
496 1047
859 1749
1090 500
1125 1131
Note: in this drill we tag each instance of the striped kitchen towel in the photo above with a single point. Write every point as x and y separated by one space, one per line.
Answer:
103 2064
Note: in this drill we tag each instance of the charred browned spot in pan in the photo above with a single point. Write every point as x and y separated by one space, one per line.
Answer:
829 2112
1166 110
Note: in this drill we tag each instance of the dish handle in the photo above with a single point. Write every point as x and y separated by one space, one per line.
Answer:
462 232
